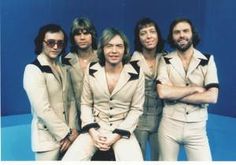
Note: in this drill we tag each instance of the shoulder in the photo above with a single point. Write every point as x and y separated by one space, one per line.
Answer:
33 71
37 65
137 56
65 59
134 70
204 57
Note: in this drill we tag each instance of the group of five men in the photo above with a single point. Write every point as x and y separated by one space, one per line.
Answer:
98 97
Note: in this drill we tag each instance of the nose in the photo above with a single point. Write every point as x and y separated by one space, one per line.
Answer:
148 35
55 46
114 50
181 34
82 36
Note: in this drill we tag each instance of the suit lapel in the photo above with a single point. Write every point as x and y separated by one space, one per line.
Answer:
193 65
123 79
64 80
44 62
196 59
128 74
98 73
177 65
74 61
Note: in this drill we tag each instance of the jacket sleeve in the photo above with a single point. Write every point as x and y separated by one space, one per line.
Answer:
35 86
211 78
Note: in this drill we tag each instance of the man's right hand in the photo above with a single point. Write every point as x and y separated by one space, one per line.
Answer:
99 140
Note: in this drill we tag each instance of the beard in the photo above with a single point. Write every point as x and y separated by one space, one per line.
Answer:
183 48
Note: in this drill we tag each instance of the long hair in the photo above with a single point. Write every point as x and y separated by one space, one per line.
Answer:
39 39
146 22
107 35
195 37
80 24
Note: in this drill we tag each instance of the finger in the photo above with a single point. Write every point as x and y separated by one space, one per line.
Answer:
104 148
65 146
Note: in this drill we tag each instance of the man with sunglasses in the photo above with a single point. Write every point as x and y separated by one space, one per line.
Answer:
47 84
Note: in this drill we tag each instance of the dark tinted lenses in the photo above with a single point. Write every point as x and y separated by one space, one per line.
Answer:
51 43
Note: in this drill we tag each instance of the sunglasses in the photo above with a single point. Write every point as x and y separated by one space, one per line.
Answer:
51 43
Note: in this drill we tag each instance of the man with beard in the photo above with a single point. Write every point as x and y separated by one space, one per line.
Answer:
187 81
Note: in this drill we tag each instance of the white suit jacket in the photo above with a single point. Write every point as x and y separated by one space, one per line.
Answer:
118 111
52 104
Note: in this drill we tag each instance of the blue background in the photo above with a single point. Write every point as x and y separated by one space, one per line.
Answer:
215 20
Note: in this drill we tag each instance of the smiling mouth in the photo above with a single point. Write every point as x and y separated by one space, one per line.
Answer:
182 42
83 43
113 57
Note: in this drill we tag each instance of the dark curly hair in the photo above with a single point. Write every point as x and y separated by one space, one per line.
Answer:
52 28
195 37
142 23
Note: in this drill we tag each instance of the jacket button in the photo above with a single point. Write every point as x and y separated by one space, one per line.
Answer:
111 98
111 116
110 124
187 113
111 108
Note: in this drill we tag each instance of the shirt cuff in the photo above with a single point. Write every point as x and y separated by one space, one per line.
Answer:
123 133
88 126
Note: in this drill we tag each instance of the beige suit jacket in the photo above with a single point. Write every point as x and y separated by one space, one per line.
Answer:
118 111
52 104
77 74
201 72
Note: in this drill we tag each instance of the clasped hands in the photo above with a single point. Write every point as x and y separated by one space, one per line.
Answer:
103 141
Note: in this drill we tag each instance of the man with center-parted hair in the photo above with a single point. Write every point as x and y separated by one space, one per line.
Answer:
111 102
148 52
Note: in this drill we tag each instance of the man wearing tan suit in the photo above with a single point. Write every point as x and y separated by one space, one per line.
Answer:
188 82
83 51
47 84
111 103
83 40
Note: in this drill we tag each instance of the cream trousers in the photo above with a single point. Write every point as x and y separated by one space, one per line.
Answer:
192 135
83 149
